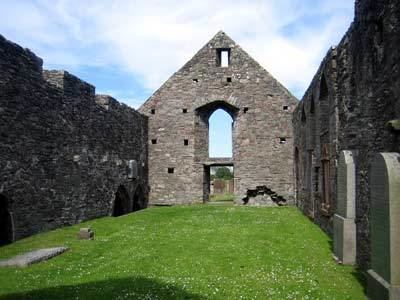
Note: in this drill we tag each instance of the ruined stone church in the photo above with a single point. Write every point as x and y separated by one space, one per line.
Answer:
179 111
68 155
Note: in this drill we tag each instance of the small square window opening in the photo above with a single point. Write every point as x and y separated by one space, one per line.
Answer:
153 111
186 142
154 141
184 110
228 79
245 109
285 107
223 57
171 170
195 80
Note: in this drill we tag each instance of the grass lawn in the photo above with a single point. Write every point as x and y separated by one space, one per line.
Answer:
186 252
222 198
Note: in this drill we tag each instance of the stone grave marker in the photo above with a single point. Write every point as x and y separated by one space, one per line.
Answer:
384 275
344 227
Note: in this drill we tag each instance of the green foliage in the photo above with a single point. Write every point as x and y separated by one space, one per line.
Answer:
185 252
223 173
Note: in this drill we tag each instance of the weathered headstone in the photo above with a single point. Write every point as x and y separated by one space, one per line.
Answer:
344 234
86 234
384 275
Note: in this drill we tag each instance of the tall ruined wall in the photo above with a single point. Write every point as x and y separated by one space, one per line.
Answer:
363 80
64 151
315 145
261 110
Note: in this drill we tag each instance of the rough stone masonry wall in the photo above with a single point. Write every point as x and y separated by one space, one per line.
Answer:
316 141
363 76
256 103
64 151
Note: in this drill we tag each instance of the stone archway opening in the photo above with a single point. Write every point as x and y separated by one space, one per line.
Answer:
6 227
121 203
203 155
225 129
220 138
138 199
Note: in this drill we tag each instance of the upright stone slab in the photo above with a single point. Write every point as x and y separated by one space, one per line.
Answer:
344 235
384 275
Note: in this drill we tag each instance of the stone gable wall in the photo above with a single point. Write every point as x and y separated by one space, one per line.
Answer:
64 151
254 99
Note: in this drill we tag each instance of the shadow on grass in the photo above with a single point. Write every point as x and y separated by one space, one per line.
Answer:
358 274
361 277
330 242
124 288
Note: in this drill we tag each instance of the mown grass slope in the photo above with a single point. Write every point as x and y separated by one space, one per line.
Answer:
186 252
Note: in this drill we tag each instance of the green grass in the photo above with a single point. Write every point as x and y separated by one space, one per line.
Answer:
222 197
186 252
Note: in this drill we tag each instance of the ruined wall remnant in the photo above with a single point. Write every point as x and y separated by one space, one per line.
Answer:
352 97
64 150
262 134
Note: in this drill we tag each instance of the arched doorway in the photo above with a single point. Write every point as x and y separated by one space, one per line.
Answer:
138 199
121 202
6 235
215 128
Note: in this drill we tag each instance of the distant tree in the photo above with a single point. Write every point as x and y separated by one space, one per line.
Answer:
223 173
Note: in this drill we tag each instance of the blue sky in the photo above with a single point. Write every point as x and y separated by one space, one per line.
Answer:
129 48
220 134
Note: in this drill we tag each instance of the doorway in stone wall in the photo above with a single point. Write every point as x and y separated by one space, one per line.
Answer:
219 183
6 229
216 136
121 203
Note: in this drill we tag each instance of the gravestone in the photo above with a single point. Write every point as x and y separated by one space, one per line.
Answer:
344 227
384 275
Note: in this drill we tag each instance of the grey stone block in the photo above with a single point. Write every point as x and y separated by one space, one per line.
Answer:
32 257
86 234
344 242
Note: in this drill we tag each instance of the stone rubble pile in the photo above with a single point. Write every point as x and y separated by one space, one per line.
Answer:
262 195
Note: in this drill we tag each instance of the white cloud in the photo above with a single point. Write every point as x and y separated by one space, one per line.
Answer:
152 39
